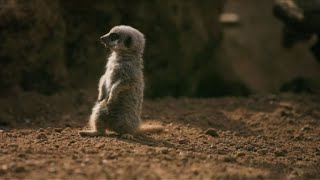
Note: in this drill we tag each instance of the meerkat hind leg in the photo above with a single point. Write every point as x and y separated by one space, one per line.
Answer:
96 124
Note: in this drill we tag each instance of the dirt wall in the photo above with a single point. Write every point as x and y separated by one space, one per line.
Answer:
50 45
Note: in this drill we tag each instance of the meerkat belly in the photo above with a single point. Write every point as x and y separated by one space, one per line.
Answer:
108 77
124 113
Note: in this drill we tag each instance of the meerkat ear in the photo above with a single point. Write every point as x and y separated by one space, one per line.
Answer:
128 41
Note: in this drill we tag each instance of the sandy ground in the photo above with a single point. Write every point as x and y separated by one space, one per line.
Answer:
262 136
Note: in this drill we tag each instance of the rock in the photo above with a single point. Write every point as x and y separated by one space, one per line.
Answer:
22 155
298 137
239 147
42 137
249 148
229 159
163 150
1 131
183 141
213 146
26 132
66 129
112 156
286 105
241 154
13 147
168 157
286 113
100 145
29 150
212 132
184 155
19 169
52 170
58 130
262 151
41 130
71 142
3 169
306 128
280 153
222 151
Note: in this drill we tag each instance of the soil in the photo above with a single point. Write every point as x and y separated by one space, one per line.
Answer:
261 136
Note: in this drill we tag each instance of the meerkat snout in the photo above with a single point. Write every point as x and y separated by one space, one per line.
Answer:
103 39
110 39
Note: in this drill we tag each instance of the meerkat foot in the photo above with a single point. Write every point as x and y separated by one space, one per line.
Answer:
90 133
127 136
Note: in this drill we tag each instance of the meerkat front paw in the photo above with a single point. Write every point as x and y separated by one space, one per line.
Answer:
90 133
127 136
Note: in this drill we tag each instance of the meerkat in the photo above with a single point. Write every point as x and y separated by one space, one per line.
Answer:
121 87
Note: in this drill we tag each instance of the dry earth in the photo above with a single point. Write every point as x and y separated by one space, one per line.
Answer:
262 136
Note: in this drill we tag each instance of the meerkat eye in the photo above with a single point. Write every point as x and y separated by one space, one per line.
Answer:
114 36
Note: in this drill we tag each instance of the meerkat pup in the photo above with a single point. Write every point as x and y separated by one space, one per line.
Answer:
120 98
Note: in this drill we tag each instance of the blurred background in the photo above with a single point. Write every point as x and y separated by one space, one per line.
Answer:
194 48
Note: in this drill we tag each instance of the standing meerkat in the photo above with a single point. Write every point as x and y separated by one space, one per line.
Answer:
120 98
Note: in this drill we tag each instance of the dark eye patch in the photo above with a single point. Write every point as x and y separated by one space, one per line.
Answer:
128 42
114 36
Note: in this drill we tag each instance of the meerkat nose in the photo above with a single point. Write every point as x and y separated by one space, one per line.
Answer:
103 38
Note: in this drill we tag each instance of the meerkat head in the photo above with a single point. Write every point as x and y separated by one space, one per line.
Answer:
124 39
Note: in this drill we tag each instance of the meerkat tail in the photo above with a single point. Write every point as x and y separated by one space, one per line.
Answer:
150 128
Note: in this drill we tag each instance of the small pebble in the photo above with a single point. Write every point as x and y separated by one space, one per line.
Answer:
100 145
13 147
240 154
229 159
52 170
19 169
306 128
22 155
66 129
262 151
59 130
298 137
280 153
249 148
183 141
212 132
163 150
42 136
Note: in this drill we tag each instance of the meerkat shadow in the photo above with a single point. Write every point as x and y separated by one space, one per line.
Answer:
143 139
149 141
